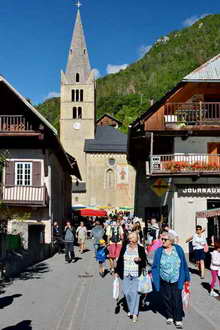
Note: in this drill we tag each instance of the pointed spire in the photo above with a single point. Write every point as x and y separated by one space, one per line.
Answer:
78 66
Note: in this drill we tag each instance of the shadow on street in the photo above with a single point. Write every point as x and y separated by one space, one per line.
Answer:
8 300
24 325
33 272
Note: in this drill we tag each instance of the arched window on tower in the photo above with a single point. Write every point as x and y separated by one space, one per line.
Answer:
74 113
77 95
110 179
81 95
73 95
77 77
79 113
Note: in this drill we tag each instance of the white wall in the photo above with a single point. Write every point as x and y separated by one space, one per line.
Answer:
193 144
184 210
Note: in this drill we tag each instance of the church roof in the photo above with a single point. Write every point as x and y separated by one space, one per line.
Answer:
209 71
107 139
78 60
108 116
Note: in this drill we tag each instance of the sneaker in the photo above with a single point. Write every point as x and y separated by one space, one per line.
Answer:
129 314
179 324
134 318
213 293
170 321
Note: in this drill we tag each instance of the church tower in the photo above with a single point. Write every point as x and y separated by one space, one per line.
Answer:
77 111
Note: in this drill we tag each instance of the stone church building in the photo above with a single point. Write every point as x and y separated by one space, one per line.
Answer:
98 145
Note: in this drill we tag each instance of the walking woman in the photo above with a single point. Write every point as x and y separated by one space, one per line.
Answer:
131 262
170 272
137 228
81 233
215 268
199 242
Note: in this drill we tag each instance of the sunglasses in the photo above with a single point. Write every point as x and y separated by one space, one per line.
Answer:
165 239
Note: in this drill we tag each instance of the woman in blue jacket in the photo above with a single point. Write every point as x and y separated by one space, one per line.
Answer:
170 272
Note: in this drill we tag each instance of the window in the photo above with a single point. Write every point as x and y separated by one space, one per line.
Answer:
77 77
75 113
111 161
110 179
73 95
77 95
23 174
79 113
81 95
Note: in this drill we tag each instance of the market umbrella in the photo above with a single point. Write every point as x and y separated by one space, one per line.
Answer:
91 212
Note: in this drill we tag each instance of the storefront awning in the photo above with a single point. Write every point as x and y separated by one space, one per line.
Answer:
208 213
90 213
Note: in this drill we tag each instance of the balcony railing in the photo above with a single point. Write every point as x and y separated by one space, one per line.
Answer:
25 195
185 163
196 113
14 123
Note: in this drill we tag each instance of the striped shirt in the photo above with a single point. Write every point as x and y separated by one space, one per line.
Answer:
130 266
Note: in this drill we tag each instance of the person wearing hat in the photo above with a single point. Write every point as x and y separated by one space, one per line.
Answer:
101 256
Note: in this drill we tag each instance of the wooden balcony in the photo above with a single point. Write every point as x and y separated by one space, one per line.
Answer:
185 164
25 196
14 123
180 115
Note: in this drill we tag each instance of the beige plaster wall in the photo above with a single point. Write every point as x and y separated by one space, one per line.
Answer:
98 193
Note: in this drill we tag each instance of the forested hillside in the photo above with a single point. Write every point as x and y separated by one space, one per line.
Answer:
127 94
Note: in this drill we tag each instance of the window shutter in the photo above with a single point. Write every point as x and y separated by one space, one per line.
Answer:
36 174
10 173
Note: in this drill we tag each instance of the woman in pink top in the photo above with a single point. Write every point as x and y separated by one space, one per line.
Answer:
215 268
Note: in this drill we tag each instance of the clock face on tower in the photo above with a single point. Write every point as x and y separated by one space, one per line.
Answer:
76 125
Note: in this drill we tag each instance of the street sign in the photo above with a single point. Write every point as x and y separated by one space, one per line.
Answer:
160 187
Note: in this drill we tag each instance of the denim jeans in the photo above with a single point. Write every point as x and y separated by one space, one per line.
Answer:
130 289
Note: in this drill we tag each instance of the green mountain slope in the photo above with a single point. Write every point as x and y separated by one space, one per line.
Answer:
127 94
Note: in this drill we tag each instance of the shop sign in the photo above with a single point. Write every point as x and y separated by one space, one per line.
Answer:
198 190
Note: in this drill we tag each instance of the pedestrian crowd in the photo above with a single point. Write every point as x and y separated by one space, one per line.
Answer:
146 258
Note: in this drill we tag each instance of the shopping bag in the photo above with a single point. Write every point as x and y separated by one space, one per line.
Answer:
145 284
186 293
116 288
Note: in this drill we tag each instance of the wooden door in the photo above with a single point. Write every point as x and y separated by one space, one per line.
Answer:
214 149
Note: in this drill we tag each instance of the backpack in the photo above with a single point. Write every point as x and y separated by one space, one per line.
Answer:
100 254
115 234
97 233
69 235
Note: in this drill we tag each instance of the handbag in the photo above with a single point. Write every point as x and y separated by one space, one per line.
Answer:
145 284
116 288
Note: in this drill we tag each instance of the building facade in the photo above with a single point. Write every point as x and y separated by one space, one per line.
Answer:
99 146
77 111
175 149
36 178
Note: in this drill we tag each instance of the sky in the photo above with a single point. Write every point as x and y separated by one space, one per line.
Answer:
35 36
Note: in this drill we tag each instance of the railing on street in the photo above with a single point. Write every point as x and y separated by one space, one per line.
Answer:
25 195
14 123
195 113
185 163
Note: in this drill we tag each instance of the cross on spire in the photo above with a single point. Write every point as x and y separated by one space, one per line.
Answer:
78 4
